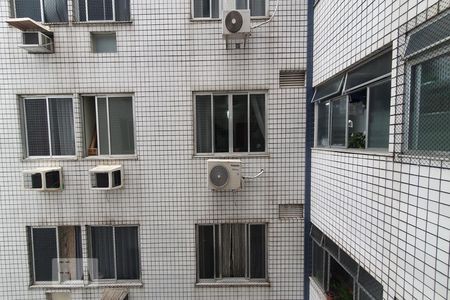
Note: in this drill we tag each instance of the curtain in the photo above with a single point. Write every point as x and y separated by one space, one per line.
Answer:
233 250
221 128
55 11
102 254
103 138
28 8
61 126
37 127
127 253
45 254
203 126
121 125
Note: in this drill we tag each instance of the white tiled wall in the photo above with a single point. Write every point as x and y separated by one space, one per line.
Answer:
392 215
162 57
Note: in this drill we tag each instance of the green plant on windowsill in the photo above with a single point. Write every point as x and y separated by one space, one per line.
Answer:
357 140
338 291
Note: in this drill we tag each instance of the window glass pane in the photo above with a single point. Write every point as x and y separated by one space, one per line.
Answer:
102 114
104 42
338 121
330 88
69 241
28 8
201 9
221 123
379 99
233 250
121 125
241 4
122 10
99 10
370 284
215 8
257 251
61 126
102 253
375 68
206 251
81 10
37 127
357 119
323 116
203 126
258 7
430 106
127 252
90 126
341 283
257 123
45 252
240 123
55 10
318 264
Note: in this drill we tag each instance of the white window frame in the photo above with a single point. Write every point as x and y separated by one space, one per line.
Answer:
418 59
222 279
100 21
230 124
107 96
23 99
34 282
210 18
113 280
41 2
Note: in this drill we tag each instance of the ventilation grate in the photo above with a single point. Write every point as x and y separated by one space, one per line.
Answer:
292 78
290 211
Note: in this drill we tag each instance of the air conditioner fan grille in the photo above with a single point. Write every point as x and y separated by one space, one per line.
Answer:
219 176
234 21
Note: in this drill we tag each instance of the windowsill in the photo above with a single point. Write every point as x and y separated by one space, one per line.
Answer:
232 155
233 283
52 158
115 157
356 151
80 284
99 22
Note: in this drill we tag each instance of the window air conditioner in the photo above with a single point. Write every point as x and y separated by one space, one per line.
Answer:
224 174
236 23
43 179
37 42
106 177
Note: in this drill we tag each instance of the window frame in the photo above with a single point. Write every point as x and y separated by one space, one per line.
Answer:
85 146
230 152
33 267
113 20
423 56
89 254
210 18
25 129
231 280
41 8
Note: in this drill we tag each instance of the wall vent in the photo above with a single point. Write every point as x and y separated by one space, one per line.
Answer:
291 211
292 78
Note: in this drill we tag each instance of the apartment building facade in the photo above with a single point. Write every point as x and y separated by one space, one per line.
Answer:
115 127
380 172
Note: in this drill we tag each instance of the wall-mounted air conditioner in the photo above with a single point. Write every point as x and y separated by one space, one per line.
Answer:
43 179
224 174
106 177
37 42
236 23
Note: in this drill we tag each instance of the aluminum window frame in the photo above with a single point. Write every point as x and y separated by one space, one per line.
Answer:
41 3
220 278
107 96
25 129
230 124
59 281
89 254
417 60
100 21
210 18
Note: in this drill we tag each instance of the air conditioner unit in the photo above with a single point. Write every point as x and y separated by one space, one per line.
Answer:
236 23
37 42
43 179
224 174
106 177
